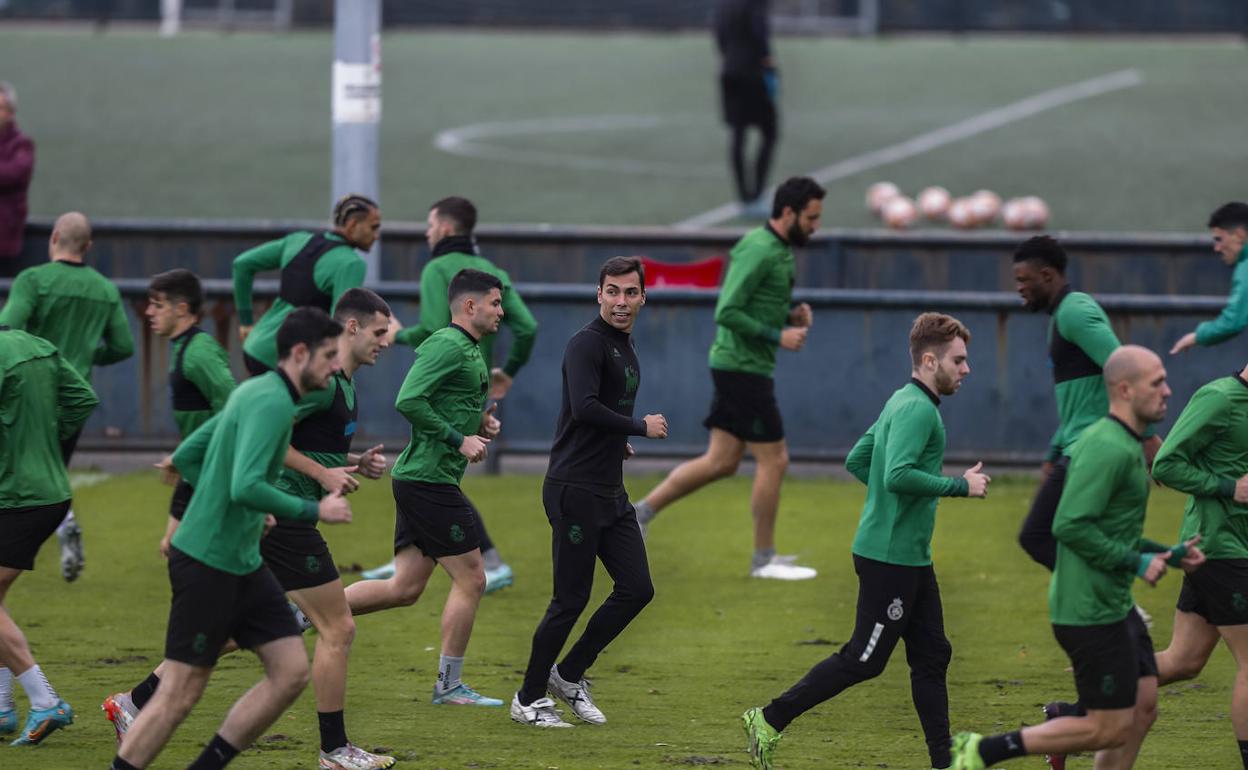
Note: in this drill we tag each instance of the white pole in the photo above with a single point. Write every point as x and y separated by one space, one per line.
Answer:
170 17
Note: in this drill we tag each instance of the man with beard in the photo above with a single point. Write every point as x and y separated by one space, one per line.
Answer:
754 316
1080 341
1101 550
899 459
221 586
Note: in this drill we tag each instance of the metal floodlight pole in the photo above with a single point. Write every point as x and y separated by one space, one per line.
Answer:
357 106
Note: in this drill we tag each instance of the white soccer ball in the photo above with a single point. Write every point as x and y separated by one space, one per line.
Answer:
985 204
900 212
961 214
1037 212
1015 214
880 193
934 202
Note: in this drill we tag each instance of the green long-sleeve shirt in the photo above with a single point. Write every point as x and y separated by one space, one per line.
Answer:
233 462
899 459
1205 453
442 398
435 309
1234 317
42 401
1098 526
337 270
76 309
322 418
754 303
1080 341
200 380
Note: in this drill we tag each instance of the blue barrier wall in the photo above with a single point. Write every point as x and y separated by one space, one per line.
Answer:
829 393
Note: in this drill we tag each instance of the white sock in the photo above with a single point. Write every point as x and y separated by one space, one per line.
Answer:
450 671
6 689
68 521
40 693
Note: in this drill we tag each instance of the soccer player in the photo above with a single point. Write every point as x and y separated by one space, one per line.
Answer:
316 268
748 88
1206 456
200 380
590 516
1100 552
1229 227
443 398
754 316
899 458
1080 340
43 401
69 304
221 586
451 222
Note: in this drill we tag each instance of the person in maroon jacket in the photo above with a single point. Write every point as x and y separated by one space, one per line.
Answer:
17 162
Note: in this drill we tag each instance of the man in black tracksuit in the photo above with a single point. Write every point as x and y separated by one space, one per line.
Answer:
590 516
748 85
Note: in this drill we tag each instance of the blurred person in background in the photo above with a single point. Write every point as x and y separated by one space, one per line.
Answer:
17 164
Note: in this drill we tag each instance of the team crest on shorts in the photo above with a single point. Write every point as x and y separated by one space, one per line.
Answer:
312 565
1108 685
1239 602
894 610
457 533
575 535
200 643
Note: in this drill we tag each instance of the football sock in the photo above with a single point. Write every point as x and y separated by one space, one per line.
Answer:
216 755
41 694
449 672
333 730
995 748
143 691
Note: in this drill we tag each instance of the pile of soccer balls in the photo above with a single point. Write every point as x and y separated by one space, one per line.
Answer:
936 204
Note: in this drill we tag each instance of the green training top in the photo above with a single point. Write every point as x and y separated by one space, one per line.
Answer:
435 310
76 309
442 397
899 459
1080 340
1234 317
754 304
325 422
336 270
1205 453
200 380
232 461
42 401
1098 526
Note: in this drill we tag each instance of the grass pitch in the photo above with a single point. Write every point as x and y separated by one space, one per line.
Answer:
673 686
207 125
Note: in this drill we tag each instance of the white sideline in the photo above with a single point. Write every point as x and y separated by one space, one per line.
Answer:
925 142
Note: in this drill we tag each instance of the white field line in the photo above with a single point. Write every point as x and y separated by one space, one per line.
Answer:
469 141
931 140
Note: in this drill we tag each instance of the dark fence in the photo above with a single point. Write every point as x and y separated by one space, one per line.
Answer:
1100 16
865 286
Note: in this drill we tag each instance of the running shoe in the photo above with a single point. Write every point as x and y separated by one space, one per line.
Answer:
463 695
539 713
576 695
42 722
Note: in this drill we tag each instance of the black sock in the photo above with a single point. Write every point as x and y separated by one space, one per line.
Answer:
333 730
216 755
121 764
143 691
1243 752
994 748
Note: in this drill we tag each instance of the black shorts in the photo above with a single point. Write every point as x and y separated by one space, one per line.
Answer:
181 498
746 102
1109 660
254 366
210 606
1218 592
298 556
745 405
24 530
436 518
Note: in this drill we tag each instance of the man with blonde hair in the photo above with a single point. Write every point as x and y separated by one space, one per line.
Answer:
899 459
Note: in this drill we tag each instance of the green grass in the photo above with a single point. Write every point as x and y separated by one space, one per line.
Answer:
128 124
673 685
